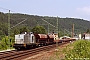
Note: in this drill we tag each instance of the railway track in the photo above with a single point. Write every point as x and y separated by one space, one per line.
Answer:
18 55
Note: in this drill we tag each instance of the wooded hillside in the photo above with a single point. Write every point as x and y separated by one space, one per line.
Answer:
64 24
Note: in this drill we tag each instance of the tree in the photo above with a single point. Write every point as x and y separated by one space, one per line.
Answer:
39 30
4 28
24 29
16 31
88 31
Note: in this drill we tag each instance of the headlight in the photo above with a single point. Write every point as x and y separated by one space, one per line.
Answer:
24 45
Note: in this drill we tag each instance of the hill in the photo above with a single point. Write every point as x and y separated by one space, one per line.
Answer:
64 24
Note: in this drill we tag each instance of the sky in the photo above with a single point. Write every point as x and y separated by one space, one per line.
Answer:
61 8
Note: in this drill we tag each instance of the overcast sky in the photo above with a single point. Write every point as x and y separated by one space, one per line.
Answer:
61 8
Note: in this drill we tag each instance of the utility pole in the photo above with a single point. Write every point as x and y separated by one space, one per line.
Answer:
57 38
72 30
57 25
9 29
48 28
57 33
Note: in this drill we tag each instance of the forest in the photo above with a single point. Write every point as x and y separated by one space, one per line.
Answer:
18 25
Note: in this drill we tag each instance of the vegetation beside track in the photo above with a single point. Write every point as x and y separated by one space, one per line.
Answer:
78 50
5 43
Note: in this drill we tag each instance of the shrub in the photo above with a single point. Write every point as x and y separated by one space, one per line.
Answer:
81 50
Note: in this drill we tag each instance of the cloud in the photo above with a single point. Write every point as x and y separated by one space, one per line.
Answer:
85 10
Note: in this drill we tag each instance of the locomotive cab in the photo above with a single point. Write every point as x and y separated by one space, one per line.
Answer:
26 40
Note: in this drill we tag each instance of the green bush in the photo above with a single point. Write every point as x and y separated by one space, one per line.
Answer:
5 43
81 50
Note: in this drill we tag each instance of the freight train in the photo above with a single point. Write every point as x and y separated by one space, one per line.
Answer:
29 40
